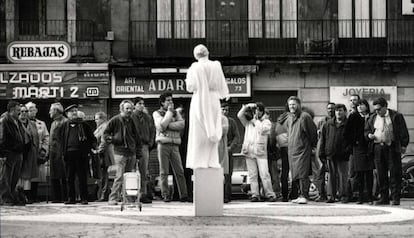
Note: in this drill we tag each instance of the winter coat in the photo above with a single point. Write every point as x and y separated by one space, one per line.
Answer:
86 138
57 167
334 145
106 149
302 138
30 168
354 134
401 136
223 149
43 150
11 136
145 127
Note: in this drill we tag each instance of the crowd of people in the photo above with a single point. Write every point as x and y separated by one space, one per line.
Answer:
347 146
350 147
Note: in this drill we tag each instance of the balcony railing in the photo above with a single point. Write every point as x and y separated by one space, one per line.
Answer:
80 34
231 38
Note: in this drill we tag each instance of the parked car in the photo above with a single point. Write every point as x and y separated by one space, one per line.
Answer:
407 186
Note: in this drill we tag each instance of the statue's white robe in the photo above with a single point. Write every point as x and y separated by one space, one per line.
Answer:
205 79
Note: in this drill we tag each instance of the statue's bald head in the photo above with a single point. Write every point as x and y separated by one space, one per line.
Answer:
200 51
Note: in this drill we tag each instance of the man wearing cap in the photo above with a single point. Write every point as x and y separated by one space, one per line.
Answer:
78 141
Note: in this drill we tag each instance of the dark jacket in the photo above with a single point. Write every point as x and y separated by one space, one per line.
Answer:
233 135
333 142
401 136
11 136
57 167
354 131
123 135
354 134
86 138
145 127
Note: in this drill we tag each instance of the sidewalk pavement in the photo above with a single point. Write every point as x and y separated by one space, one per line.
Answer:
241 219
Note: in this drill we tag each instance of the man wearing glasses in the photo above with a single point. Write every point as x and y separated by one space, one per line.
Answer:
388 135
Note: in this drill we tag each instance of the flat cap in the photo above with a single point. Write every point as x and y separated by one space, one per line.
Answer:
71 106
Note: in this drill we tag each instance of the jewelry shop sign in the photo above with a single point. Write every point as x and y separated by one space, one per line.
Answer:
54 84
370 93
38 52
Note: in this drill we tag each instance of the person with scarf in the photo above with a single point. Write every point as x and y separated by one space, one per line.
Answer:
78 142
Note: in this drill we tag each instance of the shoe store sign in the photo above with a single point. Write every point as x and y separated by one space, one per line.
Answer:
370 93
150 83
38 52
54 84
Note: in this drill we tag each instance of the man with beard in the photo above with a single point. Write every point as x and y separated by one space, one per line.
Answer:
122 133
302 138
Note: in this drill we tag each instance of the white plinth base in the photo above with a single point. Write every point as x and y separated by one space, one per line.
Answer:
208 192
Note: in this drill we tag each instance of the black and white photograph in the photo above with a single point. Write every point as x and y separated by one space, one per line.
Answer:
206 118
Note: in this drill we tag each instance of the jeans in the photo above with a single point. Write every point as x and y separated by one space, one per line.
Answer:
123 163
9 179
338 171
170 153
274 175
143 168
258 166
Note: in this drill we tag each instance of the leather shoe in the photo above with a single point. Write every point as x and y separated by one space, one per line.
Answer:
395 202
382 202
68 202
145 200
254 199
84 202
112 203
167 200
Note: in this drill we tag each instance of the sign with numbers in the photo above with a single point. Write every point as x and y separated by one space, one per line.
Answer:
130 83
54 84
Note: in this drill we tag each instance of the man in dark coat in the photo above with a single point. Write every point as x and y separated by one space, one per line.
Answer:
302 138
77 142
388 138
11 152
146 130
57 167
335 149
320 174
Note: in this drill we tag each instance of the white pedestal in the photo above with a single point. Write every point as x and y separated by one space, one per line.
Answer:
208 192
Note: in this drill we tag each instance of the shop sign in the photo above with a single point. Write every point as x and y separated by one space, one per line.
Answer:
54 84
38 52
130 84
370 93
